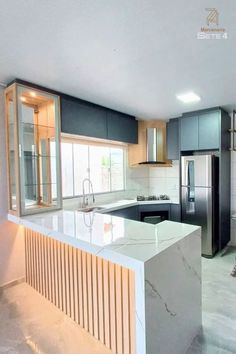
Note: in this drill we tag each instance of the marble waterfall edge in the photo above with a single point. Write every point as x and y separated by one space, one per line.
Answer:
173 306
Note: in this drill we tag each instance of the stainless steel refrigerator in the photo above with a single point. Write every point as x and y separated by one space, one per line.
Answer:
199 198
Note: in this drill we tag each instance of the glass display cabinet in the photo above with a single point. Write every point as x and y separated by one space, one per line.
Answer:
33 150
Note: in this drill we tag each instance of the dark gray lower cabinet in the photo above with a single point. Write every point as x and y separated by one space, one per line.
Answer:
138 213
175 212
131 213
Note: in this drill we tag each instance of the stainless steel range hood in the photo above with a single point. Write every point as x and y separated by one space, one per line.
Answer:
155 146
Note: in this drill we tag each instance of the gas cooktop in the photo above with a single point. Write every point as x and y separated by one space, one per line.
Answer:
152 197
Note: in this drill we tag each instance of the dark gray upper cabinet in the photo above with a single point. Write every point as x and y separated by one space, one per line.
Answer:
201 130
122 127
209 131
189 133
81 118
172 139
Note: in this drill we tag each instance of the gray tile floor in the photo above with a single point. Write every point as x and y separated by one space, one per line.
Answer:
30 324
219 307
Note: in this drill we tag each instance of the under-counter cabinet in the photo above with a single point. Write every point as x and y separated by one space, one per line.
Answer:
33 150
175 212
131 213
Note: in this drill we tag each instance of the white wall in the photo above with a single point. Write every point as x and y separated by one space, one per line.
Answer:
11 238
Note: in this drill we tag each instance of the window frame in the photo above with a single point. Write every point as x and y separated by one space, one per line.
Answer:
92 142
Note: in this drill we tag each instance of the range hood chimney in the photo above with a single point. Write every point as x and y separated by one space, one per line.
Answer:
155 142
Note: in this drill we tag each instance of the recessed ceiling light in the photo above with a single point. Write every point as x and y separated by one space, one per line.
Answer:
23 99
32 94
188 97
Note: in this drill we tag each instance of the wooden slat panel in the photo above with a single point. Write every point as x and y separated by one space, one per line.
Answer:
63 283
42 264
106 303
85 291
26 256
54 268
46 267
75 285
35 278
39 262
30 260
125 310
80 288
71 276
95 297
67 281
50 296
33 262
90 292
119 309
100 300
59 279
96 293
52 271
112 281
132 312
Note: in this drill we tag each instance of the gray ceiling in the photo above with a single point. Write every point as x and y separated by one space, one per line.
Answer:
133 56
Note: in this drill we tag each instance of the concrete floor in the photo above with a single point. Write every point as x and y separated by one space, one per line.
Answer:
30 324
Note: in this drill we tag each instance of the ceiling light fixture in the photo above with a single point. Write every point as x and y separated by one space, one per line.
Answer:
32 94
23 99
188 97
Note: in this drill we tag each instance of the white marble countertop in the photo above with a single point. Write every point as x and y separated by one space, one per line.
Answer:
116 239
126 203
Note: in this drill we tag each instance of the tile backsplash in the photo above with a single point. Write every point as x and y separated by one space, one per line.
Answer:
165 180
141 180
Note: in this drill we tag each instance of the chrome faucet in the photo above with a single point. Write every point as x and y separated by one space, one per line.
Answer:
85 200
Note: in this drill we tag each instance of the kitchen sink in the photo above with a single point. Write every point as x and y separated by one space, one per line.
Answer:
90 209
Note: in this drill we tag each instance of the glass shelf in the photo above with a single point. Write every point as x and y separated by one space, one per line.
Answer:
33 149
38 125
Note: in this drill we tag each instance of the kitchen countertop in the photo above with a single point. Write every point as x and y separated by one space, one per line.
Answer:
126 203
165 259
117 239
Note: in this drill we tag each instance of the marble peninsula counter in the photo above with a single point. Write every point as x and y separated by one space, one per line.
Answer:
136 287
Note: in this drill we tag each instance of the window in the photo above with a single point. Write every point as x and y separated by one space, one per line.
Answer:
102 164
